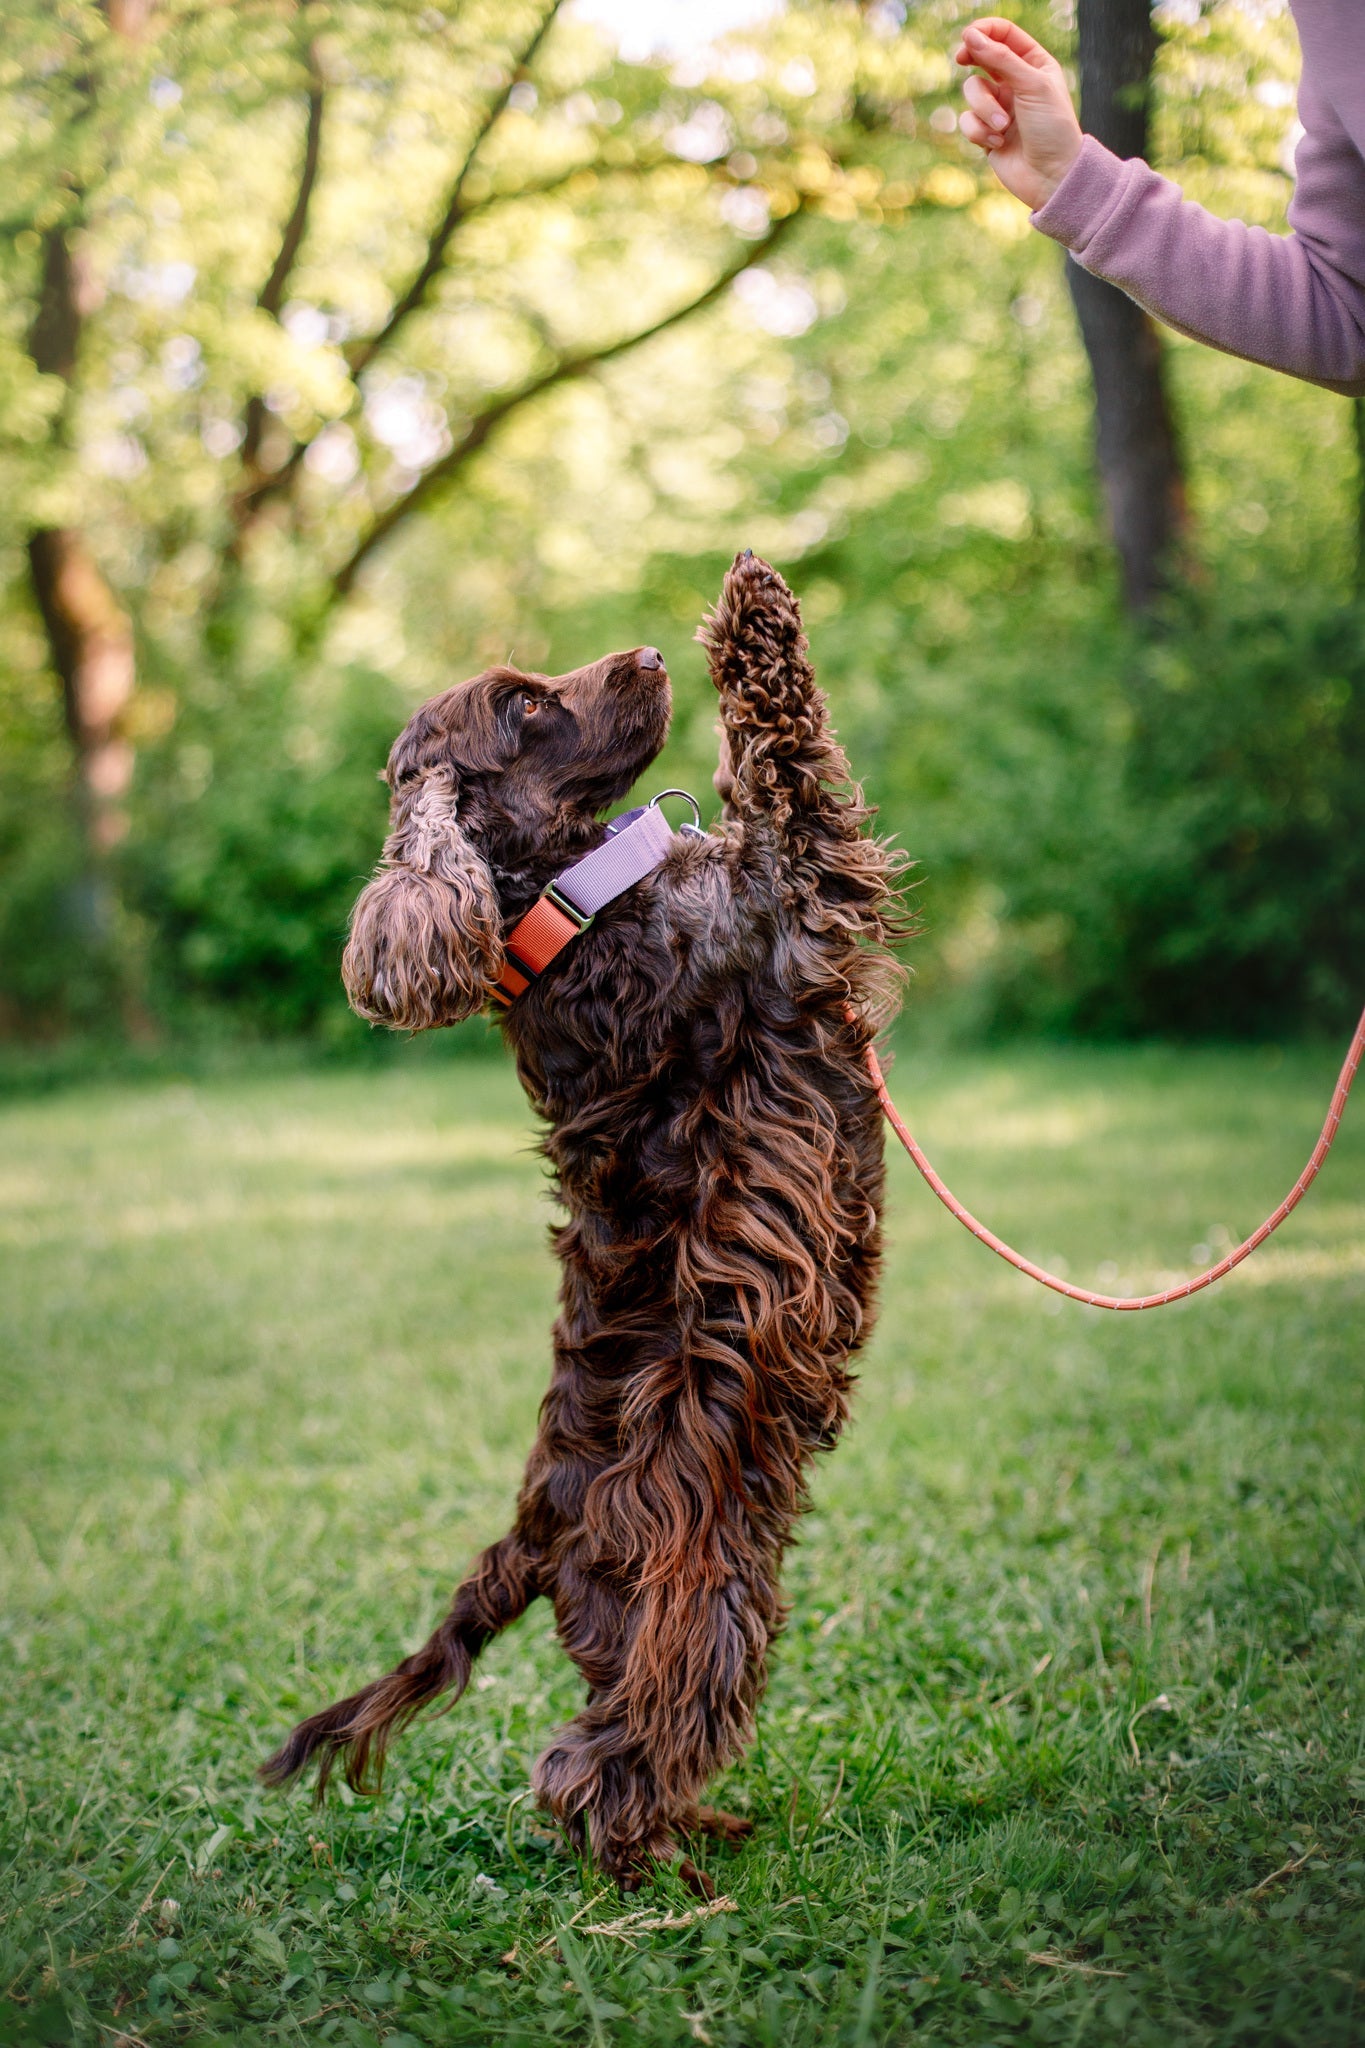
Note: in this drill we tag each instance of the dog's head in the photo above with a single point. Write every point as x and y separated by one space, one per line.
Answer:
502 773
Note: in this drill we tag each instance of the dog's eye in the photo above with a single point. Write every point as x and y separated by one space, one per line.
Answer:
530 706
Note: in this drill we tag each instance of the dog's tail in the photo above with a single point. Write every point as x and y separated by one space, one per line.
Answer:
359 1729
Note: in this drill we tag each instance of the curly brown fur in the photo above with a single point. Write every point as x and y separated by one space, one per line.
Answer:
696 1056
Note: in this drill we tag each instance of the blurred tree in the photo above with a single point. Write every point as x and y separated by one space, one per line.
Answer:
563 229
89 634
1135 436
272 465
470 208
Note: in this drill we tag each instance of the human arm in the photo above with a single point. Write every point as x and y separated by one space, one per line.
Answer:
1294 302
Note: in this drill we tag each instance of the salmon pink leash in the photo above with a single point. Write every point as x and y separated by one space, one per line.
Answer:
1131 1301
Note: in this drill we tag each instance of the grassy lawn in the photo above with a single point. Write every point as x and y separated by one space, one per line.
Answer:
1064 1742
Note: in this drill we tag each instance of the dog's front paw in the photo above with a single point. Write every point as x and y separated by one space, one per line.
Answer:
754 645
750 580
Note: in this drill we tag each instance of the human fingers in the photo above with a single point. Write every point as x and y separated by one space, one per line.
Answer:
987 106
975 130
994 55
1003 95
999 64
1008 35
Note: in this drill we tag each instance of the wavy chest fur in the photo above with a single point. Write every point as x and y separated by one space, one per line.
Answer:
719 1155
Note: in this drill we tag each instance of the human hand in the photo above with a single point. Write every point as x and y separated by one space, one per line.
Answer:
1020 113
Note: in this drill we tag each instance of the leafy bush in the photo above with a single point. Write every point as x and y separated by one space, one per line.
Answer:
1177 846
1242 907
255 830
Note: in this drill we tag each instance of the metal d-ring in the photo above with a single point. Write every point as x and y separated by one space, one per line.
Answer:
687 797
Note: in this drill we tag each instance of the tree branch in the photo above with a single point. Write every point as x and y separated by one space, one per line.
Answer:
479 429
363 351
546 188
257 491
271 295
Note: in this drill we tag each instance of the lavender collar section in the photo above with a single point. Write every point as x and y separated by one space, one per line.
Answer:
639 841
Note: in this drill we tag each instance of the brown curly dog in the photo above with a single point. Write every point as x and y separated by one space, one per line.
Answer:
717 1146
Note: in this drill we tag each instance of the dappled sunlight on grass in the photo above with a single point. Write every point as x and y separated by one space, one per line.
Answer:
259 1209
1274 1266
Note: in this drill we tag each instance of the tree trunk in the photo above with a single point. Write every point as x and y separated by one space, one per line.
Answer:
128 17
91 646
89 636
89 639
1136 446
90 643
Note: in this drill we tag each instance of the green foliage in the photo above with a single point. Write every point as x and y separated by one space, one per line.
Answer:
581 207
1236 853
1063 1742
55 972
1154 835
268 815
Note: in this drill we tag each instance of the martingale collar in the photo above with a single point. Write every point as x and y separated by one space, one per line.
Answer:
636 843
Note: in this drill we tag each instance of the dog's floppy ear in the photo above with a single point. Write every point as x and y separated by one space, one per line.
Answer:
425 943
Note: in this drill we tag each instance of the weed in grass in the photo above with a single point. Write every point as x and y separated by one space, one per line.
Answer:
1064 1742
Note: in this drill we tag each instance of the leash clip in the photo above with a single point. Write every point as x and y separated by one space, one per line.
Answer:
692 830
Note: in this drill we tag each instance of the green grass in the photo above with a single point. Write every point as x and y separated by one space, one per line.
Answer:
1063 1744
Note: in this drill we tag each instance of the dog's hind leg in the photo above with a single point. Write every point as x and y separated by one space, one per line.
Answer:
502 1585
623 1778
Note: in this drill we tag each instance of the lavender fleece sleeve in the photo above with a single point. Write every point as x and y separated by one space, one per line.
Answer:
1295 302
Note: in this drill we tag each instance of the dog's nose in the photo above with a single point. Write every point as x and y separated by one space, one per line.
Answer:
649 657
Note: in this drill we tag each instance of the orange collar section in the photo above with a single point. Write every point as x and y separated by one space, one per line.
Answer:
533 943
